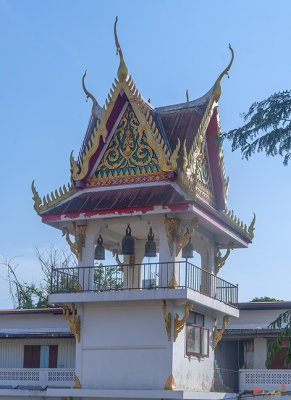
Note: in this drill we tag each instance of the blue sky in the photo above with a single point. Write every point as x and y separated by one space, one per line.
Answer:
168 46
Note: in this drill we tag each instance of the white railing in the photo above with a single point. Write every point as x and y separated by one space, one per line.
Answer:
37 377
266 379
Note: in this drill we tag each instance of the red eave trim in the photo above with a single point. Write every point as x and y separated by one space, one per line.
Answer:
213 219
115 211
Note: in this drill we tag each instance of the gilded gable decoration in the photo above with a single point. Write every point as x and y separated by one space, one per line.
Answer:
128 155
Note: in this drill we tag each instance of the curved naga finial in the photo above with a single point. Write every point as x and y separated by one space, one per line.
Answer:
88 94
251 228
36 198
217 87
122 69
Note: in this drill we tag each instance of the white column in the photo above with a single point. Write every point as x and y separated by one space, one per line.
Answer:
170 270
86 265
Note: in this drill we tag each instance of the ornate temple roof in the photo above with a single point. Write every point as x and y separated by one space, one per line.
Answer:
134 154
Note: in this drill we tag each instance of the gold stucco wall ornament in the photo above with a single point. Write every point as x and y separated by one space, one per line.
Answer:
217 334
79 233
234 220
219 259
168 319
122 264
170 383
75 324
50 200
174 234
179 323
77 384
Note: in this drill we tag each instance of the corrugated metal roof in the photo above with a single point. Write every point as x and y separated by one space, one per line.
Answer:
118 199
32 311
265 305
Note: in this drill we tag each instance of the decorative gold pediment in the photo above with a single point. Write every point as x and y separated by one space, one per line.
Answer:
128 154
147 125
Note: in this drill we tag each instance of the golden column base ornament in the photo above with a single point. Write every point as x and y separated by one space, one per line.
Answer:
179 323
170 384
168 319
77 384
173 283
79 233
75 325
217 335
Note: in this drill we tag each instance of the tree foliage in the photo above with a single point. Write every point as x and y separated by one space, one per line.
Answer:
267 128
262 299
283 322
35 295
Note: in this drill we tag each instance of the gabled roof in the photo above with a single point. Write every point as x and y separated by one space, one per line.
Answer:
181 138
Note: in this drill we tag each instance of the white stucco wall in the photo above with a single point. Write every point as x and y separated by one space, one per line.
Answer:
191 372
124 346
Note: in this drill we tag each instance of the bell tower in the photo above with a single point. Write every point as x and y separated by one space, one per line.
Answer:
148 190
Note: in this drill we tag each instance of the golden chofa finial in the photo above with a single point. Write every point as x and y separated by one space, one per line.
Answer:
88 94
217 87
122 69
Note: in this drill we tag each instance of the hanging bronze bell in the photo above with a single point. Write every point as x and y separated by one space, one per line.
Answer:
150 246
99 249
128 243
187 251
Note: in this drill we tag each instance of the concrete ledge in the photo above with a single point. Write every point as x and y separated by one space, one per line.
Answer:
115 394
146 294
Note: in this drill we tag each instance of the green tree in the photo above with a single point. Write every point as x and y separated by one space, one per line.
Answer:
283 322
267 128
25 294
265 298
107 278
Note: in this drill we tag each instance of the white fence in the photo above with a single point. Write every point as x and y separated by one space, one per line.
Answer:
37 377
266 379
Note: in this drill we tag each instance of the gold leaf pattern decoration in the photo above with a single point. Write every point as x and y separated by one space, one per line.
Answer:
128 152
